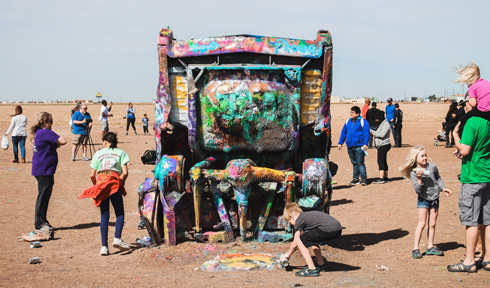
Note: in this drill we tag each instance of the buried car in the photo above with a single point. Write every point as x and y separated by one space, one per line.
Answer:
242 126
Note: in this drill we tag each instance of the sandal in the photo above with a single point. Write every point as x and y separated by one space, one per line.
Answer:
461 267
484 264
308 273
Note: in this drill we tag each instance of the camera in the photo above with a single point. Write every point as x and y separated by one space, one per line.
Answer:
87 120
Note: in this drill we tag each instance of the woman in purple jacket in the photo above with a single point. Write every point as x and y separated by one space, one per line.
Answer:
44 162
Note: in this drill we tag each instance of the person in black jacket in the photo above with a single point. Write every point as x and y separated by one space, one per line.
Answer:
460 112
451 121
373 125
397 124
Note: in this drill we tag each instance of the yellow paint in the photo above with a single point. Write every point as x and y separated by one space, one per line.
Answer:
244 261
179 91
311 95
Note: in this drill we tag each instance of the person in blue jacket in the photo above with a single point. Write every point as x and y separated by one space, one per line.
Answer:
355 134
390 112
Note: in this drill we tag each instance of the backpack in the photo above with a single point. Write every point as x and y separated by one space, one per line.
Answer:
362 121
149 157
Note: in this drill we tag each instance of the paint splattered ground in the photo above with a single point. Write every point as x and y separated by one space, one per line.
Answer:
379 222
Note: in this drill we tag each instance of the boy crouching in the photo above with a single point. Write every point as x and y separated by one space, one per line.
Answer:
312 229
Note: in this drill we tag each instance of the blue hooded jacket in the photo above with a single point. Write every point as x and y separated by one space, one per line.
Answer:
354 134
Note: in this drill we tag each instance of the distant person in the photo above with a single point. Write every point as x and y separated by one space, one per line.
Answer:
19 134
390 112
397 123
44 163
130 118
104 116
75 109
461 111
312 229
373 125
365 108
110 167
82 124
355 134
451 121
427 184
383 144
146 122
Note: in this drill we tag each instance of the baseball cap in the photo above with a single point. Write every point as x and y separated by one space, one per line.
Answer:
390 100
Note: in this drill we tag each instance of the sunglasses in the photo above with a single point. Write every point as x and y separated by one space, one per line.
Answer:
49 121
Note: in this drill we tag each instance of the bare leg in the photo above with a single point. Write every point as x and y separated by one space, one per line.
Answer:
471 234
381 174
386 174
420 226
318 254
84 148
306 254
73 148
431 231
480 242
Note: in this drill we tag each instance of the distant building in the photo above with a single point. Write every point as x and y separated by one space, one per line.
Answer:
335 99
356 101
98 97
81 101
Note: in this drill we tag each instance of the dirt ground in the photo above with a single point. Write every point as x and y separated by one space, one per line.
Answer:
379 221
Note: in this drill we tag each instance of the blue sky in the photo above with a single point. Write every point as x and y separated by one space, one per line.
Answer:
73 49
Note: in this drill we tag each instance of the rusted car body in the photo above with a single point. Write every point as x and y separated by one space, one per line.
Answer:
242 127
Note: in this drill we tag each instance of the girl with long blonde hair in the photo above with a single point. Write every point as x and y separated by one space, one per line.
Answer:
427 183
44 162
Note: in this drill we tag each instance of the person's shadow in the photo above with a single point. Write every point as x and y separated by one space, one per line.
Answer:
84 226
359 241
341 202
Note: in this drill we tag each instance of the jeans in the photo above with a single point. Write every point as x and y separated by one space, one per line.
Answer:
19 140
393 132
371 137
117 203
45 188
356 155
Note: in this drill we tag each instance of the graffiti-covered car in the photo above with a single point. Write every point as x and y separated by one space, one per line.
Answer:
242 127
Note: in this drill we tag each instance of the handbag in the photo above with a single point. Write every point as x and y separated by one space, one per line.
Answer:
149 157
5 142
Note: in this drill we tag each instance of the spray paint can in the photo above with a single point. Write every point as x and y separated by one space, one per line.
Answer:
284 262
34 260
36 244
425 172
142 242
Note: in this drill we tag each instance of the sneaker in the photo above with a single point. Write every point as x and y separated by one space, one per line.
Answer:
354 182
321 267
135 133
379 181
416 254
119 244
72 158
46 228
364 183
386 180
85 158
126 133
104 251
434 251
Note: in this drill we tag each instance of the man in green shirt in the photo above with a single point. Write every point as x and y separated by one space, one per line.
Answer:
474 197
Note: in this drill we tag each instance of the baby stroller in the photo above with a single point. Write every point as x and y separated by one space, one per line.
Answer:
441 135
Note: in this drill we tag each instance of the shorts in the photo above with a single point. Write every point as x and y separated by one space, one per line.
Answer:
105 125
428 204
79 139
317 236
474 204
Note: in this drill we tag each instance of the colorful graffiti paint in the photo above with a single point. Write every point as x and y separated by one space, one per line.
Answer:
241 262
236 113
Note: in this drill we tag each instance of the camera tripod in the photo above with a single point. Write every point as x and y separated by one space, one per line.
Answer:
90 143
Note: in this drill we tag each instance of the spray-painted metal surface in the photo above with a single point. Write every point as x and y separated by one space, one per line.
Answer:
242 127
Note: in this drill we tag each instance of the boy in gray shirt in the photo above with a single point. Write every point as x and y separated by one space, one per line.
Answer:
312 229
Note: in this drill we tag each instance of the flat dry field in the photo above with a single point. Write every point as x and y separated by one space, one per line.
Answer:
379 220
